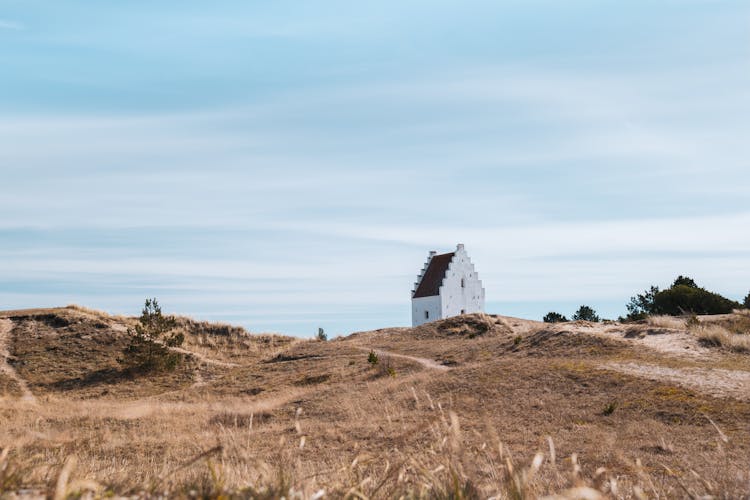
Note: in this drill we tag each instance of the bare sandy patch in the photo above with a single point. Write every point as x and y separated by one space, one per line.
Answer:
716 382
665 340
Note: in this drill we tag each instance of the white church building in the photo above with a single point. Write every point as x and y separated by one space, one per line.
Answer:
447 286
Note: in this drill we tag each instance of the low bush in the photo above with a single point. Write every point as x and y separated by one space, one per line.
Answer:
683 297
554 317
609 409
586 313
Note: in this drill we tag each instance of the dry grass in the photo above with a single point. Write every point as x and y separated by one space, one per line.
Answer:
719 336
227 342
293 418
670 322
229 455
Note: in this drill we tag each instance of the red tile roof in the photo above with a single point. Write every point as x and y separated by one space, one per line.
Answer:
433 276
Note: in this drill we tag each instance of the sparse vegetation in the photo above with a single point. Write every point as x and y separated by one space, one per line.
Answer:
372 358
322 335
554 317
670 322
610 408
718 336
692 321
586 313
299 418
149 348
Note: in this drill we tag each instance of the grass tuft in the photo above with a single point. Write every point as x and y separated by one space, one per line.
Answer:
671 322
719 336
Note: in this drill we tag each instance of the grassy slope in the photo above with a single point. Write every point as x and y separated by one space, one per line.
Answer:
312 408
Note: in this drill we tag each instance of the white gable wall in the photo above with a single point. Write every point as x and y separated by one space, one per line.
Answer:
422 305
456 299
453 299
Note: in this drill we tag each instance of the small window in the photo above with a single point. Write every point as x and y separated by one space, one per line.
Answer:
427 315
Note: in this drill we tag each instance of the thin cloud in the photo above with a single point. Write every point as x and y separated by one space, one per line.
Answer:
11 25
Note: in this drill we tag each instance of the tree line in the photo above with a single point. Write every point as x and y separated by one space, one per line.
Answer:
683 297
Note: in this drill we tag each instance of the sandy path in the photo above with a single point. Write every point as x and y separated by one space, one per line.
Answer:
6 326
427 363
716 382
204 359
668 341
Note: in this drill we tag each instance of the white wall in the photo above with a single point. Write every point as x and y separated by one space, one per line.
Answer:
455 298
419 306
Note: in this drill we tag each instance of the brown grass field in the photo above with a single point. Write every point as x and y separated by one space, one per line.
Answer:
477 406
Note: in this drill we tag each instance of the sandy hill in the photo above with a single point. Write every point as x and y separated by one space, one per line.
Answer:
473 406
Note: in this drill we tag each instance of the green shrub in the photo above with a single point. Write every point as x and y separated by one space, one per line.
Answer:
372 358
692 321
554 317
322 335
684 281
746 302
683 297
610 408
642 304
149 347
585 313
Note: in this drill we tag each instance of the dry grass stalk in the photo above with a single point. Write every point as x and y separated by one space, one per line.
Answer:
670 322
304 419
719 336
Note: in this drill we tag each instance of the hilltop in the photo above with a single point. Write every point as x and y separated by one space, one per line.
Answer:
462 405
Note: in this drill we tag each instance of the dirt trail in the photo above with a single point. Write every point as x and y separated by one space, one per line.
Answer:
716 382
669 341
6 326
200 357
427 363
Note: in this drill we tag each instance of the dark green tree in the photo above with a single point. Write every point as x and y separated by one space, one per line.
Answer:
554 317
149 347
684 281
322 335
746 303
683 297
642 304
585 313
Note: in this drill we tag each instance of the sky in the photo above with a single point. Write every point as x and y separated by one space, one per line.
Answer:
288 165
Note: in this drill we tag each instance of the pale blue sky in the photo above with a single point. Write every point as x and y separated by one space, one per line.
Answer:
287 165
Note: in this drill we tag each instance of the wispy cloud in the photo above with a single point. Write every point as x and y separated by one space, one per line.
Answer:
273 161
11 25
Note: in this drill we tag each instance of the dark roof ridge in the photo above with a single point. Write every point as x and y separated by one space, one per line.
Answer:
432 279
